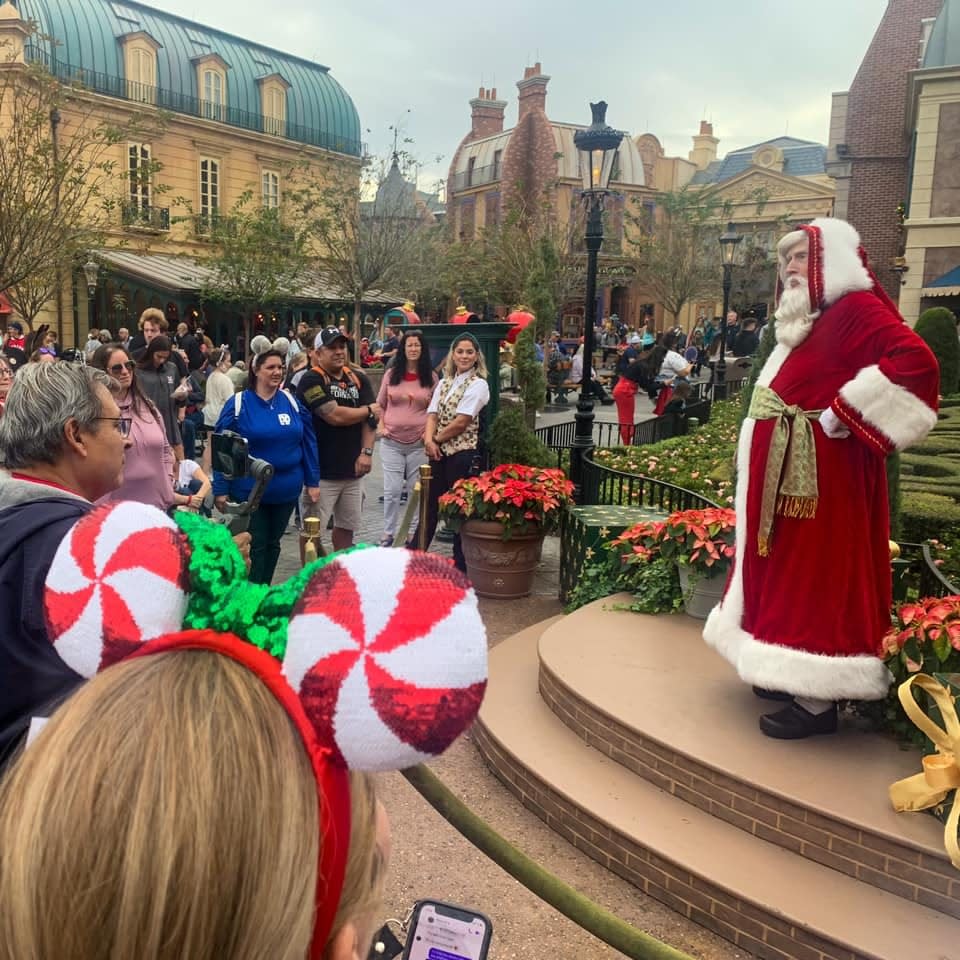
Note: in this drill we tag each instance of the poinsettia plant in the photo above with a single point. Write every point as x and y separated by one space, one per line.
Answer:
924 636
644 559
699 539
519 497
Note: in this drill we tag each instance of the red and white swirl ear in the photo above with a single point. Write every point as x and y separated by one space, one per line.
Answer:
388 654
118 579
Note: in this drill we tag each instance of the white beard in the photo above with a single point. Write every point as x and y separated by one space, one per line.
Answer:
794 319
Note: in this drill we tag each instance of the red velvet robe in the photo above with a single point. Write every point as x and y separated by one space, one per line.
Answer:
809 617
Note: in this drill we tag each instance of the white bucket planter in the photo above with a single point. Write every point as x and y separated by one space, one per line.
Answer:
705 594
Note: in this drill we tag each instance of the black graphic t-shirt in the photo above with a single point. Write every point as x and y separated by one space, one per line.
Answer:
337 447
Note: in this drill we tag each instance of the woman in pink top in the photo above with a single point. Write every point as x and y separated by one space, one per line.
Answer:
404 397
148 465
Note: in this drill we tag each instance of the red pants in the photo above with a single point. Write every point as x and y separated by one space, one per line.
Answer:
663 399
624 394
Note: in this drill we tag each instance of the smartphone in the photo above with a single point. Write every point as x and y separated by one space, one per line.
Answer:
441 931
229 454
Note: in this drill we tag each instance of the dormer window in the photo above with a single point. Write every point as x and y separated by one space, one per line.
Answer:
212 85
273 104
140 66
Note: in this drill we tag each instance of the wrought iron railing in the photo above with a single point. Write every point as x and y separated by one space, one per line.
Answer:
476 177
602 485
146 217
932 582
177 102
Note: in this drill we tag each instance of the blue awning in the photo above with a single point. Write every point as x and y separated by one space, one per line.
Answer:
947 285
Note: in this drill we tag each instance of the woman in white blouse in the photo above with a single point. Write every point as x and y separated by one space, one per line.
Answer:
673 364
452 437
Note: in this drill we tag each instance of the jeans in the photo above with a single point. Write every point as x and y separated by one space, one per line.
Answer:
401 462
188 432
267 525
446 472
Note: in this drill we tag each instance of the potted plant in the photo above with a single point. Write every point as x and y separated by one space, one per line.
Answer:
698 544
502 516
923 638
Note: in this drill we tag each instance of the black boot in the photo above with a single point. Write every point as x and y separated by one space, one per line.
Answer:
795 723
764 694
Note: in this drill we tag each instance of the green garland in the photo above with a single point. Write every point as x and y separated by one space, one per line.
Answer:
221 597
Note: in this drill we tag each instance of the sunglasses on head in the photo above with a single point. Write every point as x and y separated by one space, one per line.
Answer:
117 368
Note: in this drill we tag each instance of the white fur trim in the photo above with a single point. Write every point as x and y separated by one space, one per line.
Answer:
798 672
900 415
843 271
732 603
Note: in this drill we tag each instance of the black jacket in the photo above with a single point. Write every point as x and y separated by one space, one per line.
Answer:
33 520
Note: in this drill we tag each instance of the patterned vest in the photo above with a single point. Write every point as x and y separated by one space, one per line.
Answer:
447 412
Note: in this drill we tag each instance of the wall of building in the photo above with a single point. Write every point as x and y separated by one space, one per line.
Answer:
877 144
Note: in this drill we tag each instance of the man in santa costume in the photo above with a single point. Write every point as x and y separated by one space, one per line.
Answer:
808 599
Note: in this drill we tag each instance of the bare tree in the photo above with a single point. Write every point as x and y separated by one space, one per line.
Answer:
258 258
58 177
365 235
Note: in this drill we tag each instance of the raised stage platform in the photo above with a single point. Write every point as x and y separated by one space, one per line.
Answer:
640 746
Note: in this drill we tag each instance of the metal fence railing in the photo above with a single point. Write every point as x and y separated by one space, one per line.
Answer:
602 485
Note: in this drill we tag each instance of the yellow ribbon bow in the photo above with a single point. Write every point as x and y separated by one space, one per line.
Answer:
796 494
941 774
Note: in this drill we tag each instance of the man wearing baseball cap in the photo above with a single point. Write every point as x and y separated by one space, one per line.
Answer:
345 413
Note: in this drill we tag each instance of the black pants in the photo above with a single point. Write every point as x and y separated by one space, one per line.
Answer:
446 472
267 526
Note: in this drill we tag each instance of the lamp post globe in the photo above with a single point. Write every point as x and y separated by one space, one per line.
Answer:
91 270
597 148
729 240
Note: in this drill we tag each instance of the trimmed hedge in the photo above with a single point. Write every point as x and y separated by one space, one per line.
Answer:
938 327
929 516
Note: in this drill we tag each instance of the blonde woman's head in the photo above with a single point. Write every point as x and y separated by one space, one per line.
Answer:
465 354
169 810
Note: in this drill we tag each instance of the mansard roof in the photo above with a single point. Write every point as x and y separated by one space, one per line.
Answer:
87 34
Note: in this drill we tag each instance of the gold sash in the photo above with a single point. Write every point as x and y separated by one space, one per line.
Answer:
793 454
941 773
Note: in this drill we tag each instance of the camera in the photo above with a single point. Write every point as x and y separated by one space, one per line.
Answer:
230 455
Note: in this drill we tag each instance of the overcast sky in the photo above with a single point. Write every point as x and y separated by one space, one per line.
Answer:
756 68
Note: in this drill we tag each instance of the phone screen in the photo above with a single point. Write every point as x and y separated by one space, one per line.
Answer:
229 454
447 933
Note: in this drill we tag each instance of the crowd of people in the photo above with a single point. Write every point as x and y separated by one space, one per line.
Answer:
304 408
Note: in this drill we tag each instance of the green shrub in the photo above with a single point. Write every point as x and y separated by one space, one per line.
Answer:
530 375
512 441
938 327
929 516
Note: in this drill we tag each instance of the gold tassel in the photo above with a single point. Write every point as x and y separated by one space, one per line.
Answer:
763 546
803 508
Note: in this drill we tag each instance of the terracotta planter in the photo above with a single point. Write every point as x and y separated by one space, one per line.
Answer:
500 568
707 592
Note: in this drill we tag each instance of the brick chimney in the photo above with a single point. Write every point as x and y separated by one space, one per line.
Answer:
533 91
704 150
487 114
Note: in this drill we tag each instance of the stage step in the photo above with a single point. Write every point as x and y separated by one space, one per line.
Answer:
647 692
764 898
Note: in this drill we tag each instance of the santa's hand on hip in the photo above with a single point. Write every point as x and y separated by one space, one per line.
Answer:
833 426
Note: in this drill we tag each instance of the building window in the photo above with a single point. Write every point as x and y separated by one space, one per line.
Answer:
142 75
497 163
209 194
270 189
467 219
926 28
139 174
213 94
492 212
275 110
471 163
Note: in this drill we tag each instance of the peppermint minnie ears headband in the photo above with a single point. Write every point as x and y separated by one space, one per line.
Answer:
378 656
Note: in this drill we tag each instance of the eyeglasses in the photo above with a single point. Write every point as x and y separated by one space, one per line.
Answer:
123 424
118 368
5 372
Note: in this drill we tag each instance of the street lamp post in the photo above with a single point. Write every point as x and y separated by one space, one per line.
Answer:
728 255
597 147
91 270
